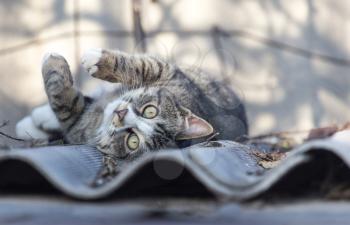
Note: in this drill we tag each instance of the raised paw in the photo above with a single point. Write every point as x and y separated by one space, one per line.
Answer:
56 73
90 59
100 64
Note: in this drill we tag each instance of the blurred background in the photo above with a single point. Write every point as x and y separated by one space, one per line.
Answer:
288 60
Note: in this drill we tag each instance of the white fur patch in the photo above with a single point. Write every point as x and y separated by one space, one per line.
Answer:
107 113
132 119
26 129
109 110
90 58
45 118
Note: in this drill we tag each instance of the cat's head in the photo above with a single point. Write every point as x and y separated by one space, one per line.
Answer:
147 119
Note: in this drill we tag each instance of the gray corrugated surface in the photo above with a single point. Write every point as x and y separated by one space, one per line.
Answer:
228 172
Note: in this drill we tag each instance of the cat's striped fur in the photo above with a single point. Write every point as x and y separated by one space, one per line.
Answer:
185 106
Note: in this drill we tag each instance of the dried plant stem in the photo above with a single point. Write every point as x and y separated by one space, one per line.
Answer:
5 123
10 137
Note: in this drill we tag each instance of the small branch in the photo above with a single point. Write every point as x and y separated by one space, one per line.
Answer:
212 136
278 134
10 137
219 48
76 38
4 123
139 33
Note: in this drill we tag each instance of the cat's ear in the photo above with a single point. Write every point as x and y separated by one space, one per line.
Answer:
195 127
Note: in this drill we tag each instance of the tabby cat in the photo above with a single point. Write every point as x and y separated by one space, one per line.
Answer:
156 105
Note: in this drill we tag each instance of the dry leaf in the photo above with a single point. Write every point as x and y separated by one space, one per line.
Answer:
269 160
323 132
269 164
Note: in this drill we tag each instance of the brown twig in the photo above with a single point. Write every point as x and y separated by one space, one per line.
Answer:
76 38
278 134
212 136
5 123
139 33
10 137
216 36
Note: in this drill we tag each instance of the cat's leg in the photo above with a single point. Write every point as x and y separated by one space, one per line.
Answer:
65 100
132 70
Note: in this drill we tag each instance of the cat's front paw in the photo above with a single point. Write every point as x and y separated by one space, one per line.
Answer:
90 59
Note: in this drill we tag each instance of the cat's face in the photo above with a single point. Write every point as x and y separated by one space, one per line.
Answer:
146 119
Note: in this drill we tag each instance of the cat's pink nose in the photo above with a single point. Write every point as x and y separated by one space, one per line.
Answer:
121 113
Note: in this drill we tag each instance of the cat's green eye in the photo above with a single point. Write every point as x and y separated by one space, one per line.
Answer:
150 112
133 141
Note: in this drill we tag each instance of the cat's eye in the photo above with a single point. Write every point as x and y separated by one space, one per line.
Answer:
133 141
150 112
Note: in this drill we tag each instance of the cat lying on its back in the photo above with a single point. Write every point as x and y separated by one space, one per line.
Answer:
157 106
